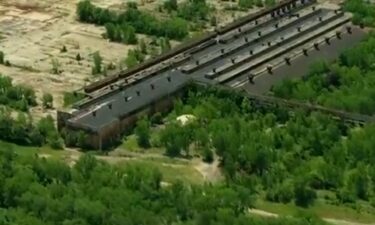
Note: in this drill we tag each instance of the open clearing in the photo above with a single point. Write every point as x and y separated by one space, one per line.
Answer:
34 32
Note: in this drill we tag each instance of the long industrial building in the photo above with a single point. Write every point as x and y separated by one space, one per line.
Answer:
252 53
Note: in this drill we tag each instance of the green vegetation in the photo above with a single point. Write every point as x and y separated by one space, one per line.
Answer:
125 34
347 84
72 97
63 49
16 96
20 130
246 3
363 11
194 10
285 162
121 26
321 208
98 60
165 45
78 57
2 61
142 132
55 66
170 5
40 191
134 57
47 100
281 156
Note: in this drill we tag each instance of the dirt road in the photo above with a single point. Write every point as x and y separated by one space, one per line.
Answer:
329 220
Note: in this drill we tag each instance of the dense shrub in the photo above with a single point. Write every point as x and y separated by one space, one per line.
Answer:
16 96
122 26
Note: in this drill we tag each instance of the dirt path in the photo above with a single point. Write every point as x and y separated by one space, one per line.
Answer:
329 220
210 171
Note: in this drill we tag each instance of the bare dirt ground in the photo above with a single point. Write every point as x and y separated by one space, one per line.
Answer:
33 33
210 171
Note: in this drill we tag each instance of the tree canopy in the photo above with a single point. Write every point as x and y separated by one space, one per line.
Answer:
42 192
122 26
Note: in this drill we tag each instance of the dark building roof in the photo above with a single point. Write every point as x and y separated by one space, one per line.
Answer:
126 101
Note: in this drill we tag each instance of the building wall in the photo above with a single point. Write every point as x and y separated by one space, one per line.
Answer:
62 117
111 134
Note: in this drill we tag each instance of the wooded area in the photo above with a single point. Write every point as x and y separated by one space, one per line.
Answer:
280 155
363 12
39 191
122 26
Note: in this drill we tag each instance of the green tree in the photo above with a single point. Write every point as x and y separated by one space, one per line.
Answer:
165 45
78 57
142 131
246 3
270 2
63 49
304 195
47 100
55 66
143 46
171 5
2 57
98 60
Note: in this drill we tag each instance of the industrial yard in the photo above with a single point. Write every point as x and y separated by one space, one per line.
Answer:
188 112
256 48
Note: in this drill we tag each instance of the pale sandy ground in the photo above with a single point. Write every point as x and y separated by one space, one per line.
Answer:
33 34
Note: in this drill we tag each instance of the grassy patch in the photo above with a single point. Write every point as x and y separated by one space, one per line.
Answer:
130 144
29 150
321 209
72 97
171 172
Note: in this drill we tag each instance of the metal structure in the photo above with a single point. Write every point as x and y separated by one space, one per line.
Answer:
252 53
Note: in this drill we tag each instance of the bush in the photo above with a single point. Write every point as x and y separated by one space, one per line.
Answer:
72 97
363 12
97 58
142 131
208 155
281 193
21 130
246 3
16 96
1 57
47 100
304 195
123 26
157 118
170 5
